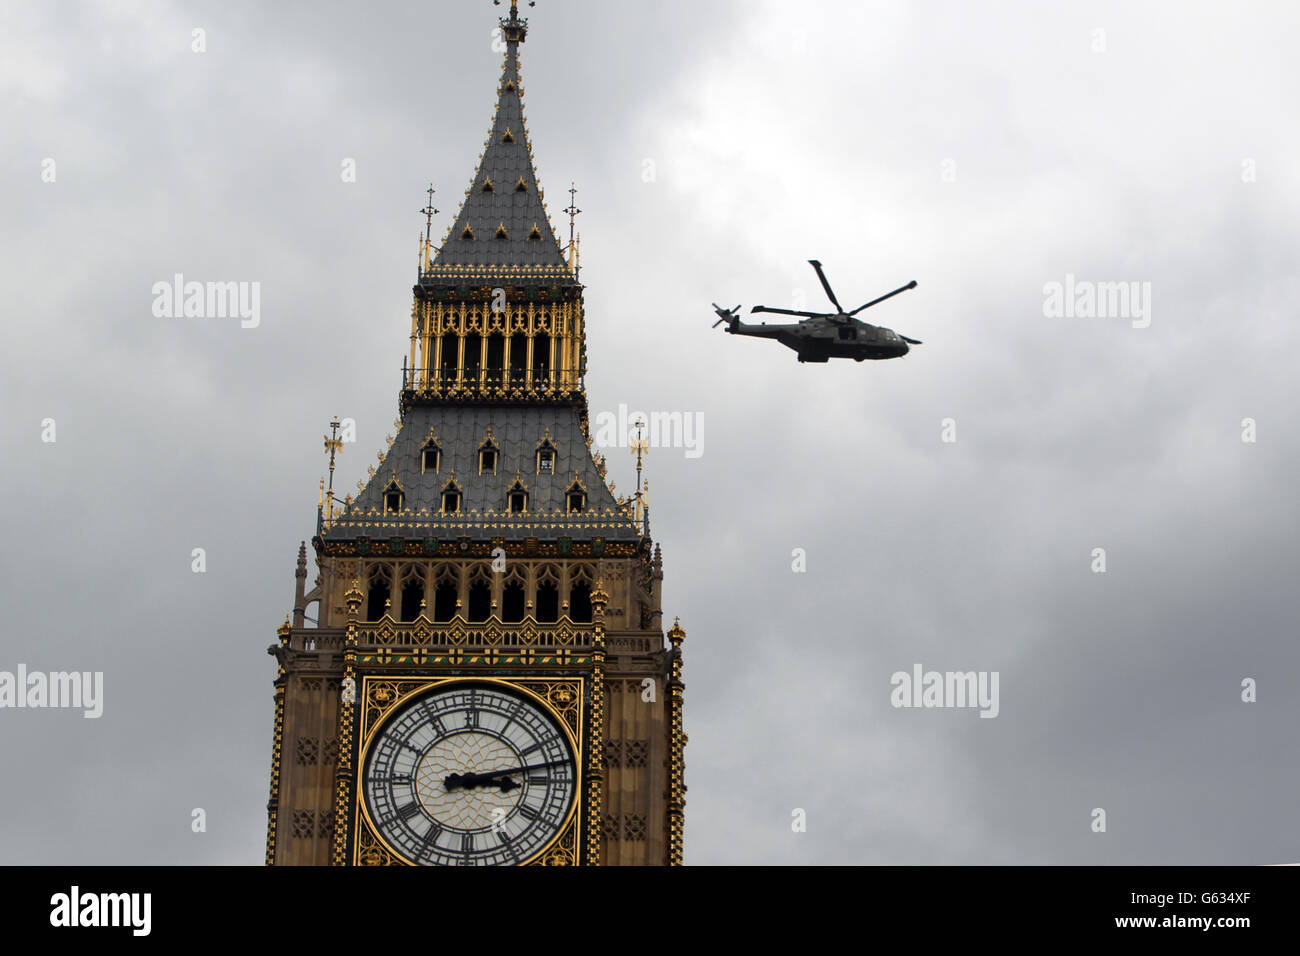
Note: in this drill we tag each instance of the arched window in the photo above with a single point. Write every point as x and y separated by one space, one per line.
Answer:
489 455
496 358
575 498
480 600
473 356
517 498
448 360
518 357
393 499
379 593
430 457
541 359
548 602
412 594
445 597
546 455
512 601
451 497
580 603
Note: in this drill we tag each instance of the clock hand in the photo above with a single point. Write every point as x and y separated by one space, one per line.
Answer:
536 766
471 780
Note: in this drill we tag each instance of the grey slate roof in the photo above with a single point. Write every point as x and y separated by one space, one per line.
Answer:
504 163
460 431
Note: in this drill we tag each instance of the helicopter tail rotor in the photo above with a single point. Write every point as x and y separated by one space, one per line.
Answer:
726 315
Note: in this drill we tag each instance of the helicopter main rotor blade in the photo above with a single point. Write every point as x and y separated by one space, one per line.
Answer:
807 315
826 285
890 295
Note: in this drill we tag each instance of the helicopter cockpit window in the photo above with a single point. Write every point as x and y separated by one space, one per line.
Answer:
846 333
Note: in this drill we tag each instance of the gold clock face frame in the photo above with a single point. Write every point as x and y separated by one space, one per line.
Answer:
519 740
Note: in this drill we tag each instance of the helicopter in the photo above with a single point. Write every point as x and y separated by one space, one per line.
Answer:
822 336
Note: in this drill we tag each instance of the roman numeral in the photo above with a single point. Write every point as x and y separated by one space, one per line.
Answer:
433 720
410 810
538 778
401 779
471 717
435 831
525 752
467 843
527 811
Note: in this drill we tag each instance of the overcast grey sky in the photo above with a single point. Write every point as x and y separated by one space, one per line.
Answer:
984 150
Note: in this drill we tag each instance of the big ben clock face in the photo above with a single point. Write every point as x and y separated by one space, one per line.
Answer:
469 774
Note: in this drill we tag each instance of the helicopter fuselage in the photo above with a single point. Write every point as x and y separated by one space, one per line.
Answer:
820 340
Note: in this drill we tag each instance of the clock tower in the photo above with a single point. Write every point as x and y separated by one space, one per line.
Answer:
480 674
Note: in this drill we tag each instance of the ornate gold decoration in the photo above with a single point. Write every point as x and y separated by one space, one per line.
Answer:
595 765
344 777
273 800
677 746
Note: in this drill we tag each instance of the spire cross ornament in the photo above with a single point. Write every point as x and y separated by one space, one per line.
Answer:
514 7
429 212
572 210
333 445
639 447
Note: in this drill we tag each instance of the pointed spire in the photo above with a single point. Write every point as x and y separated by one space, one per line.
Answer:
493 233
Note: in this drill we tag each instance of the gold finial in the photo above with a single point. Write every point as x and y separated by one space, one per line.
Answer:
676 634
353 597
